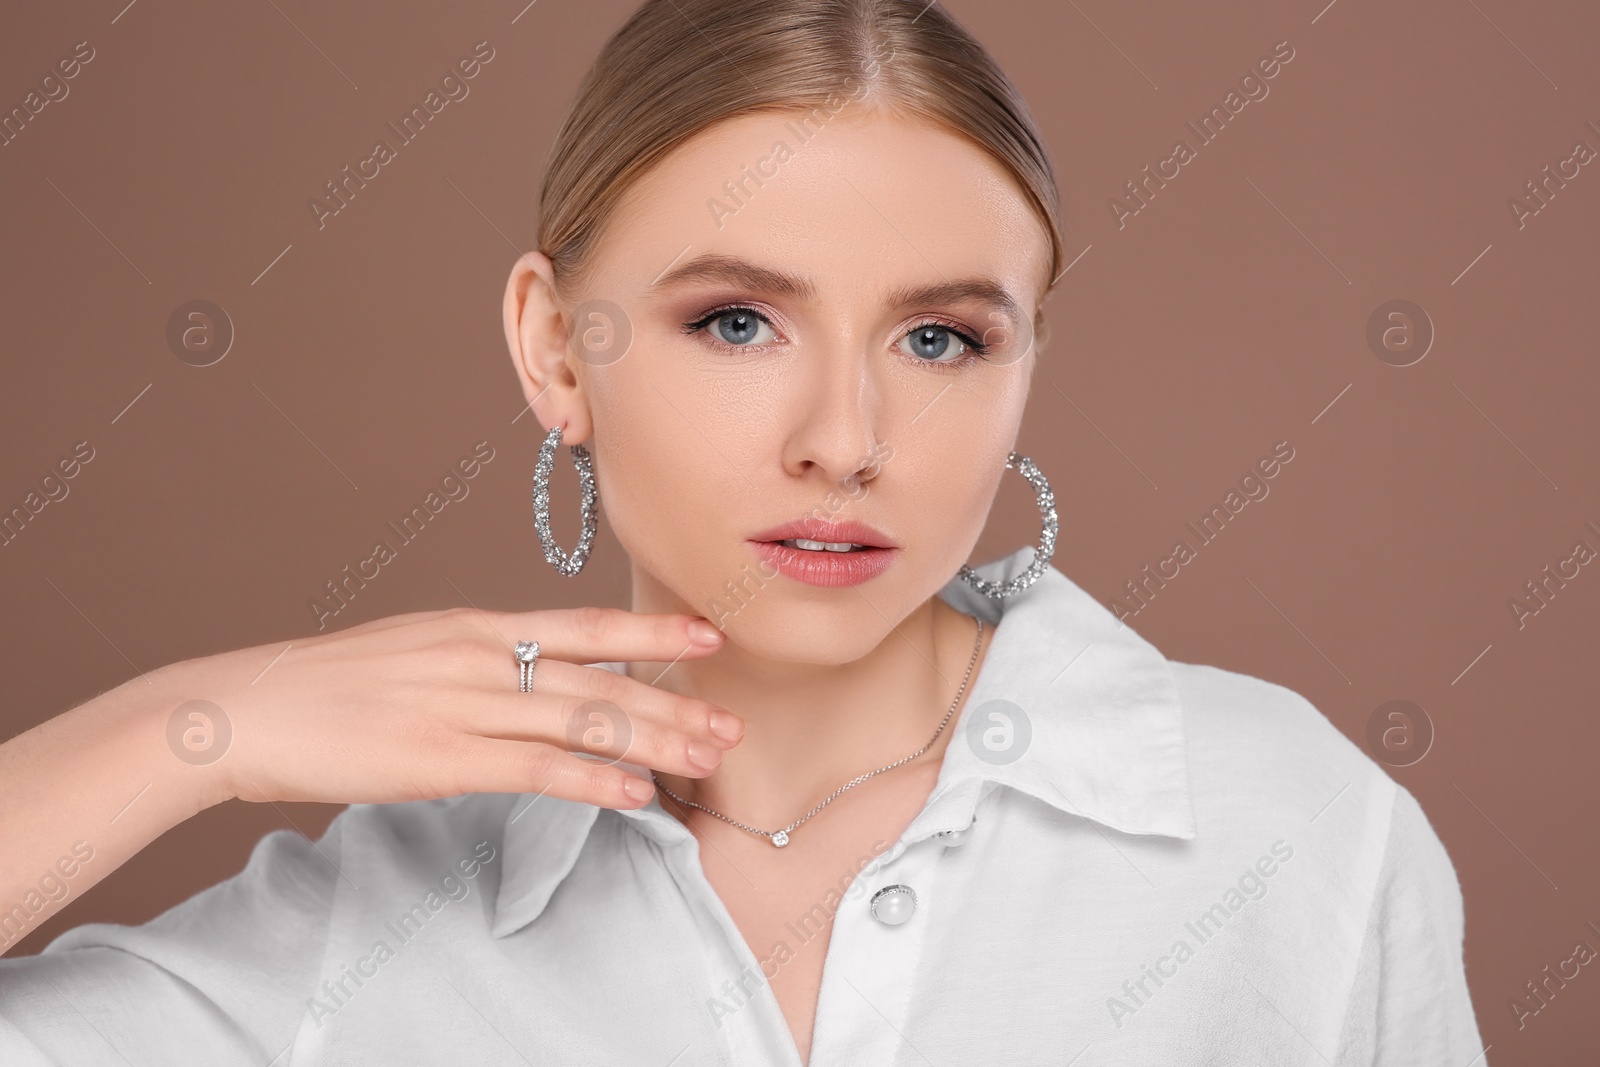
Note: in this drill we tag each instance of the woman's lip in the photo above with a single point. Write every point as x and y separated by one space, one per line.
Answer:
842 533
824 568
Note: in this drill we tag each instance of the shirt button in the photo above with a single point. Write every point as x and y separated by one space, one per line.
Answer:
893 904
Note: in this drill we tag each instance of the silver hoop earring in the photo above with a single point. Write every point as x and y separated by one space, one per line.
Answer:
1047 539
553 555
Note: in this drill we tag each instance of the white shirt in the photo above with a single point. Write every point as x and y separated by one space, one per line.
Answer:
1150 863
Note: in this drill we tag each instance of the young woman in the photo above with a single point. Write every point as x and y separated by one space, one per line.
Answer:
825 795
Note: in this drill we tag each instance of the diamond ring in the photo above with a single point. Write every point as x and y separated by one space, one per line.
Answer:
527 655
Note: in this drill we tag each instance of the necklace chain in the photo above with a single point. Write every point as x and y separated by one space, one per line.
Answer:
781 837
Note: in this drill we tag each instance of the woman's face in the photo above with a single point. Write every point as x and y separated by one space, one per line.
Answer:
774 334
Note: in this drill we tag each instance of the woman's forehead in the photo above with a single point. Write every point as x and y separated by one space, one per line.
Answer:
862 198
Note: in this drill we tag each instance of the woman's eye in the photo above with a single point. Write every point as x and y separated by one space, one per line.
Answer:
741 326
932 342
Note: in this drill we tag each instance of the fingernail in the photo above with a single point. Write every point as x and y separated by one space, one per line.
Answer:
704 756
725 726
702 632
637 788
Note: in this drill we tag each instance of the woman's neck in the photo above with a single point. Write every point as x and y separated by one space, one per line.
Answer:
812 727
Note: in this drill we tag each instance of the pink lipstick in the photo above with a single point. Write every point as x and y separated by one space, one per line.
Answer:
828 554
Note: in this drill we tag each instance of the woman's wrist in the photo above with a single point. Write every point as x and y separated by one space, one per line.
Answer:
181 735
86 790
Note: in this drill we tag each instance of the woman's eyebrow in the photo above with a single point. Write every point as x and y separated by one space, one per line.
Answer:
716 267
741 272
984 290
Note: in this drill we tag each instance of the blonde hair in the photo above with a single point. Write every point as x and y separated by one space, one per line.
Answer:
679 66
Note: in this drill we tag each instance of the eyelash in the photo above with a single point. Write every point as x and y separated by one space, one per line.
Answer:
975 348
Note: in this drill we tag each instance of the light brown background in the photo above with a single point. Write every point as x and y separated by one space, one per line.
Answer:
1230 314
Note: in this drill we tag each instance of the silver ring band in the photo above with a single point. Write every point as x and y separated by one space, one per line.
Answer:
527 657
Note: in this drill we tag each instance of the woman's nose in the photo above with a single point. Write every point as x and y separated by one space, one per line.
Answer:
834 418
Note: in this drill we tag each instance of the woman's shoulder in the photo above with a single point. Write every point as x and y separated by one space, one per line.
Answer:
1267 764
231 967
1258 751
369 856
1239 721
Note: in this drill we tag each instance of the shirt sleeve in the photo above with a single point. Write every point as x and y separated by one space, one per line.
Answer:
220 978
1409 1003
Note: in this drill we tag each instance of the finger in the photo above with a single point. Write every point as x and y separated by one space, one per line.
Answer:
588 634
593 634
451 660
688 715
495 765
595 727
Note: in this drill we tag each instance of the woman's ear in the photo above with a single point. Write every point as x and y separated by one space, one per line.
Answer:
536 333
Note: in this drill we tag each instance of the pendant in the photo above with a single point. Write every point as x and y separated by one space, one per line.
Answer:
780 838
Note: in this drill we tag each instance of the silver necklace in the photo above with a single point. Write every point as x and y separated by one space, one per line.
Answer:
781 837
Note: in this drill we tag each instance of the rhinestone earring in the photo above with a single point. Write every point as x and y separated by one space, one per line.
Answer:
553 555
1047 539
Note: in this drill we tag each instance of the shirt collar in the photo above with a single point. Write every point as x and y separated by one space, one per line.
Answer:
1091 707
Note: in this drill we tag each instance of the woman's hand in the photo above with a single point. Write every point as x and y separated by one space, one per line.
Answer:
427 705
405 708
